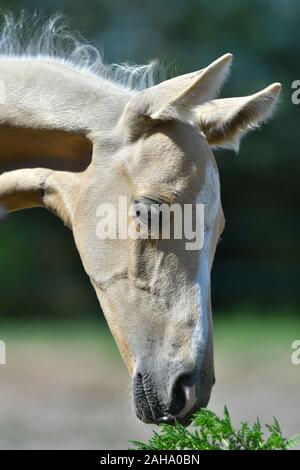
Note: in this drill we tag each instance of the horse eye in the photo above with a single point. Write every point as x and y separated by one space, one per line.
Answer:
148 215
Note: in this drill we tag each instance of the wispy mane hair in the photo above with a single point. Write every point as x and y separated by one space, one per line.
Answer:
35 36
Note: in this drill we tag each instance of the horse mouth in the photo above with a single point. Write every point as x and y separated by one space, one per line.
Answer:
150 411
184 421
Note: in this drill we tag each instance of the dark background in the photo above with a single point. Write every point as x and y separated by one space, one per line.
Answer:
257 263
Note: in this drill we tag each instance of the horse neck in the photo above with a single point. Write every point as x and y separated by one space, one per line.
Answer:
55 94
45 101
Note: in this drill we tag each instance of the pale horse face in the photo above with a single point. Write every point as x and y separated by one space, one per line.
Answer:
151 146
156 293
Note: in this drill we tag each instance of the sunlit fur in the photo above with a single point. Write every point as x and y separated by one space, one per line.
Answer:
31 35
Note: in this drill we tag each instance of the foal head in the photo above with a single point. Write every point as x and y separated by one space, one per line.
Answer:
75 143
156 293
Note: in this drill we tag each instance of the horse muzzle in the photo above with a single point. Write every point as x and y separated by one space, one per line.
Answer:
185 395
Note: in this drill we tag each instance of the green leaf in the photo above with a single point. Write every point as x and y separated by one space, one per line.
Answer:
210 432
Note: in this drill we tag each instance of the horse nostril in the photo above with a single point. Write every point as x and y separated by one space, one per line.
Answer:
147 405
184 396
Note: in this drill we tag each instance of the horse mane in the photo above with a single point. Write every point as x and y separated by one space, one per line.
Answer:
32 36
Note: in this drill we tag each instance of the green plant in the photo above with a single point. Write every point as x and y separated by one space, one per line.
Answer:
214 433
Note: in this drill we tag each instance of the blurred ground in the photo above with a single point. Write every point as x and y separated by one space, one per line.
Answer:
65 387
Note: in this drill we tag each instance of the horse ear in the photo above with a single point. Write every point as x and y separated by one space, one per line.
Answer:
225 121
175 98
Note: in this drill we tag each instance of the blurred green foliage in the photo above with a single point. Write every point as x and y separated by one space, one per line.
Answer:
258 260
214 433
